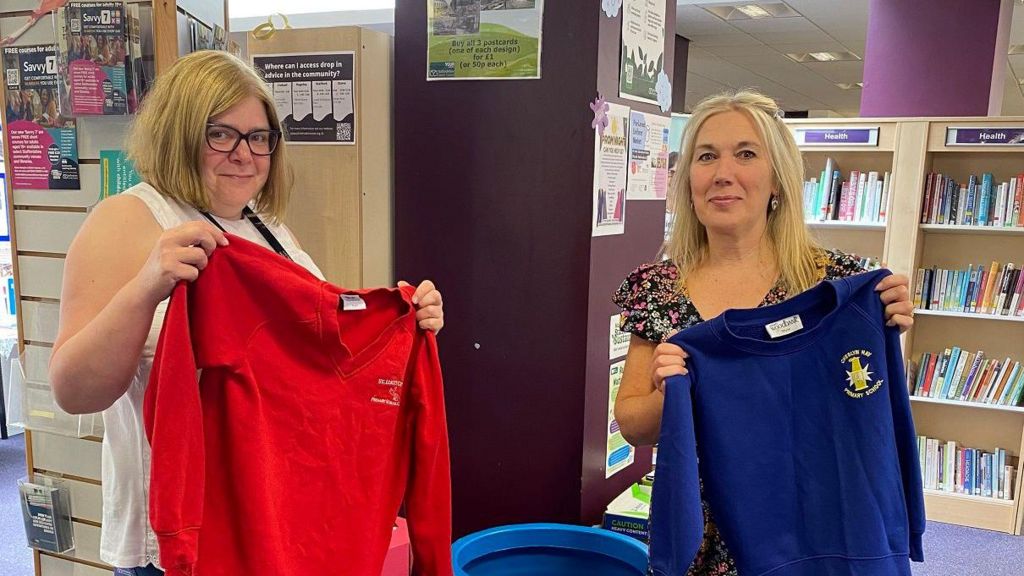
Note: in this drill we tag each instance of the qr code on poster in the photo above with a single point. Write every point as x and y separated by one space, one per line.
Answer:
13 78
344 132
76 25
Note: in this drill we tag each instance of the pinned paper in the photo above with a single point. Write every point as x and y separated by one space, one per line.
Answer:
611 7
664 90
600 110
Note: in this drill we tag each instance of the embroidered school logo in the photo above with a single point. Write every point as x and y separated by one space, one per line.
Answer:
390 393
859 382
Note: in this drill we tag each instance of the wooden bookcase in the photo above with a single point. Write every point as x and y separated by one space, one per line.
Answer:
910 149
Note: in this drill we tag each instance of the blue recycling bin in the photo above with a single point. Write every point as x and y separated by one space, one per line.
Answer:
548 550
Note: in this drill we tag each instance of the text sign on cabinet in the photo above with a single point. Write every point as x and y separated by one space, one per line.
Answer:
836 136
984 136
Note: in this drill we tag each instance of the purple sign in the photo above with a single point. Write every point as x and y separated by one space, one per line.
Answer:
983 136
837 136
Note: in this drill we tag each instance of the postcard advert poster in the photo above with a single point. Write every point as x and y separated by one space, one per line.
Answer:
95 33
313 94
43 151
483 39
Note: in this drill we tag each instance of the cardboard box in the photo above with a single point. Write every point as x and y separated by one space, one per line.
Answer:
630 513
397 562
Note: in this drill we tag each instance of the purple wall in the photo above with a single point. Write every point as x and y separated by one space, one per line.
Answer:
492 202
611 259
682 61
929 57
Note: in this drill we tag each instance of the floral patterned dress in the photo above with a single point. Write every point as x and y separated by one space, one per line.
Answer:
653 309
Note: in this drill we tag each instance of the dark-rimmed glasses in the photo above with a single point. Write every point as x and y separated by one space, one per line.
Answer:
225 139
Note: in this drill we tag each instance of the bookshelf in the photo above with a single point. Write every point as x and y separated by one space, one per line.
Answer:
985 230
910 149
972 316
866 239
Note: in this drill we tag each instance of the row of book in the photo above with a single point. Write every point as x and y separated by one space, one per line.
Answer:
956 374
863 197
996 290
949 467
979 202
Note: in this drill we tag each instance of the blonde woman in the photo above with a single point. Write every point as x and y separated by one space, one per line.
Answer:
739 241
207 145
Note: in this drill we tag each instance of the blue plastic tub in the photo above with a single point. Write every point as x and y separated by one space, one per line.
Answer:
548 550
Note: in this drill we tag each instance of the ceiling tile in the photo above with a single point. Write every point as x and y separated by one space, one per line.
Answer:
1016 63
1013 100
830 13
1017 25
810 35
738 51
839 71
778 25
796 47
736 39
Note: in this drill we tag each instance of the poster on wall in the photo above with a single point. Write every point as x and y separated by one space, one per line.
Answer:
675 147
648 156
618 341
117 173
483 39
643 50
43 152
618 453
94 47
610 159
314 95
675 132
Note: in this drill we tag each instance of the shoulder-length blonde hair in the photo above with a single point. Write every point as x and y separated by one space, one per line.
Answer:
168 136
795 250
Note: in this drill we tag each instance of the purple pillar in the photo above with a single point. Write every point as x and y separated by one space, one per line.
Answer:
935 57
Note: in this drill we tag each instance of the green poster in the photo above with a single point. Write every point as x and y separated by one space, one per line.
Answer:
483 39
117 173
643 53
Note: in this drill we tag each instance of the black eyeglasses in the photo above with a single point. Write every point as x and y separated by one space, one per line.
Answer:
225 139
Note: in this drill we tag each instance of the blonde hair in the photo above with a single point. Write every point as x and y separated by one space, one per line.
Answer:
168 136
795 250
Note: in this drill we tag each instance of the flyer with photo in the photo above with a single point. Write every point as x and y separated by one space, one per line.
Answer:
649 140
43 153
95 40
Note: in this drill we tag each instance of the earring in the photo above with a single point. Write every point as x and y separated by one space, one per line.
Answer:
775 203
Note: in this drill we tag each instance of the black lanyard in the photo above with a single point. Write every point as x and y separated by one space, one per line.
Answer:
260 227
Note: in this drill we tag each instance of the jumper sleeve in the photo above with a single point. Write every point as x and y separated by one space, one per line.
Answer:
428 494
173 417
906 442
677 521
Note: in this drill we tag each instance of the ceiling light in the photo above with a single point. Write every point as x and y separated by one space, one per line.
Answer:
754 11
850 85
1016 49
839 56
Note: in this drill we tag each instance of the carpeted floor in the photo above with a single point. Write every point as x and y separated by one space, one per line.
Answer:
949 550
15 556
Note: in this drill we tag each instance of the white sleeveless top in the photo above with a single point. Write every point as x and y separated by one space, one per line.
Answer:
126 539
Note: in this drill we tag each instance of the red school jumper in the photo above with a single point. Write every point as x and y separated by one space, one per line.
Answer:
310 424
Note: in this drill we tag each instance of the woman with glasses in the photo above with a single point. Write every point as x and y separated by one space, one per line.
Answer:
208 146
